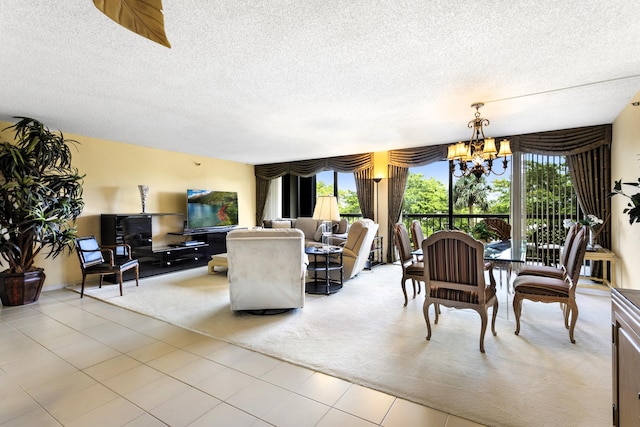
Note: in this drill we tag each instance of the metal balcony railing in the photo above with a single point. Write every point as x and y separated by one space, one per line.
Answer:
544 234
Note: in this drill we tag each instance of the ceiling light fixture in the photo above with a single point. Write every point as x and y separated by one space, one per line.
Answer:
476 157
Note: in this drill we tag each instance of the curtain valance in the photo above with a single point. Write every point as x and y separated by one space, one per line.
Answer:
417 156
564 142
307 168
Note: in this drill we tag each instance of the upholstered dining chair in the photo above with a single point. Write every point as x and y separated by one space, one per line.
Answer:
411 268
549 270
417 236
554 289
454 276
104 260
500 227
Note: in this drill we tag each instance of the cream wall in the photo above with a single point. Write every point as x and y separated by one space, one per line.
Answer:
625 165
114 170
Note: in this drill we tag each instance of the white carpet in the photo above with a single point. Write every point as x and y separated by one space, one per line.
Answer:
363 334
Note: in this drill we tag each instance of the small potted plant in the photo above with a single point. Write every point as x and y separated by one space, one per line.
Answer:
633 207
40 199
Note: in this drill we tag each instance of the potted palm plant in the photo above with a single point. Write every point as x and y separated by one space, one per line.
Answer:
633 207
40 199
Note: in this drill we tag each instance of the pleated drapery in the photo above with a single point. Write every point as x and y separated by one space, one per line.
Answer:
399 163
588 152
360 164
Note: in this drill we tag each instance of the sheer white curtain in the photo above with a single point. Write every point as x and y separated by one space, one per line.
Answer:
273 207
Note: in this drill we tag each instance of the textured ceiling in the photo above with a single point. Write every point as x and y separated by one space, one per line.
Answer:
271 81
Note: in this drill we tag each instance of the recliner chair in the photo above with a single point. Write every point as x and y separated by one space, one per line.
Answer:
267 269
357 247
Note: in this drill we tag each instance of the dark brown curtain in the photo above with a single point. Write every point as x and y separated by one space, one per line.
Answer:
262 193
399 163
357 163
397 184
591 177
364 188
588 153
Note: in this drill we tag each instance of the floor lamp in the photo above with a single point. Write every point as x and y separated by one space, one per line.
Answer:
377 181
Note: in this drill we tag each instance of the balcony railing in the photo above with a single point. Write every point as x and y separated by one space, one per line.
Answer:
545 235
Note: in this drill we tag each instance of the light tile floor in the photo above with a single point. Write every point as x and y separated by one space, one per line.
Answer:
81 362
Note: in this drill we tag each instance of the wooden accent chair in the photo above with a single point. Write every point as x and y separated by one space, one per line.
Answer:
554 289
500 227
104 260
411 268
551 271
454 277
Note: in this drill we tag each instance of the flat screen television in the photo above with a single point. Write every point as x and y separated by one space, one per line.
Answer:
211 209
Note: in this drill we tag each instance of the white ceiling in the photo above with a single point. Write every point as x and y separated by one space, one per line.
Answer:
271 81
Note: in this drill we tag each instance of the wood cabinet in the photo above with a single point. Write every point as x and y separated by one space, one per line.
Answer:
156 255
625 319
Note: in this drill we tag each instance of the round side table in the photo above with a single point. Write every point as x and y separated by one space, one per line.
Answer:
326 259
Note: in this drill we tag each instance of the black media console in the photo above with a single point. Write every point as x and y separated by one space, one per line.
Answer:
194 249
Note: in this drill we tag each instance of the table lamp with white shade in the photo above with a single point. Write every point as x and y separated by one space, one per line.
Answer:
326 210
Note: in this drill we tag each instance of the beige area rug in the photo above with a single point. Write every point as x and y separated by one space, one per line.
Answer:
363 334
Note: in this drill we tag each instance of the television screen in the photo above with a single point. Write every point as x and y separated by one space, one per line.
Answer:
207 209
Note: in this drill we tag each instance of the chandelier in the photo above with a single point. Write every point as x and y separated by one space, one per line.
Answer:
476 157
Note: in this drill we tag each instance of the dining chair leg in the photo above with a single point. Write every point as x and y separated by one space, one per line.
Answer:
483 328
404 291
517 310
120 281
493 317
425 311
574 319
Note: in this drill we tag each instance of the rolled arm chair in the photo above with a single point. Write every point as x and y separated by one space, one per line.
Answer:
356 249
266 270
454 276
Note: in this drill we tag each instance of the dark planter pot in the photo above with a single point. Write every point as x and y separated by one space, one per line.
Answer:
22 288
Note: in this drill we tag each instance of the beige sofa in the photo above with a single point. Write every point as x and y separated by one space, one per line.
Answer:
310 227
267 269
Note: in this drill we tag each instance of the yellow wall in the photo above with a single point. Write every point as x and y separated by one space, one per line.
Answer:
114 170
625 165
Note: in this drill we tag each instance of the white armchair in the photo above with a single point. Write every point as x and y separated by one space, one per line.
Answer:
266 269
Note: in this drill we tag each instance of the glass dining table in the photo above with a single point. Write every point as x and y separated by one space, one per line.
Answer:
502 255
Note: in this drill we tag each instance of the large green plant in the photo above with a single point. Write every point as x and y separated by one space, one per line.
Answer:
633 207
40 195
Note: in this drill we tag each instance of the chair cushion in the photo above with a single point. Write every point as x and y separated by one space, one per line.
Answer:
281 224
538 285
542 270
416 268
309 226
470 297
105 267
